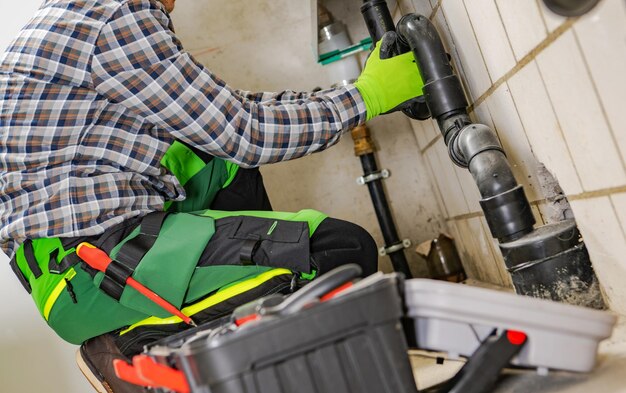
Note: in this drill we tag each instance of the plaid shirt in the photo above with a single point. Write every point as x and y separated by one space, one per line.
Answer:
92 94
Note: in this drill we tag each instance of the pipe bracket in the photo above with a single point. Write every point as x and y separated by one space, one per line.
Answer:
363 180
406 243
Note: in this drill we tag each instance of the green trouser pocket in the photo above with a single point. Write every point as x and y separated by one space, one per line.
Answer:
167 267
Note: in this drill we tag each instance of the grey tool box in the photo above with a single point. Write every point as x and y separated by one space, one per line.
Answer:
351 343
457 318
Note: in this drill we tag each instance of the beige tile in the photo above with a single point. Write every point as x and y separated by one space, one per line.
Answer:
513 138
481 115
443 28
537 214
432 163
580 115
604 238
523 24
472 263
551 19
619 203
492 39
448 182
469 189
467 47
602 37
425 132
422 7
542 127
484 254
463 245
420 133
498 258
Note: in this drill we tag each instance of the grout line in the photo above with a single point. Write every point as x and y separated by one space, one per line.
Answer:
621 224
506 32
432 143
542 15
433 14
597 193
599 99
558 32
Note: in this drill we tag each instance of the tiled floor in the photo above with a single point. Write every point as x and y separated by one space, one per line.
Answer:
607 377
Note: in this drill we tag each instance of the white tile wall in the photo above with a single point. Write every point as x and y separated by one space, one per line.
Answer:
604 238
602 37
580 115
524 25
619 203
447 181
542 127
552 20
513 138
492 39
498 259
467 47
425 132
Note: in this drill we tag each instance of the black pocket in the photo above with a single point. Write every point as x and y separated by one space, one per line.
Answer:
261 241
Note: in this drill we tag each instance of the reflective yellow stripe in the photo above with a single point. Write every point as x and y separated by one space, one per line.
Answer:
211 301
56 292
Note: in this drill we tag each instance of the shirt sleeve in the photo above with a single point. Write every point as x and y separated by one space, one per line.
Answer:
140 64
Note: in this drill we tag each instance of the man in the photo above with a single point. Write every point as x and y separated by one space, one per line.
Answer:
110 133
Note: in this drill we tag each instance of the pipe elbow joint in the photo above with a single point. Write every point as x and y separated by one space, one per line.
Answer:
471 141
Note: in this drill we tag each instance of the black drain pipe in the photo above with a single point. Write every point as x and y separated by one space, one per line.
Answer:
372 176
547 262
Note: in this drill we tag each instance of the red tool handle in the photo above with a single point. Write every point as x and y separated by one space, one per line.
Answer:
99 260
93 256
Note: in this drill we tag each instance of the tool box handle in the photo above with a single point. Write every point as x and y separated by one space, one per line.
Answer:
315 290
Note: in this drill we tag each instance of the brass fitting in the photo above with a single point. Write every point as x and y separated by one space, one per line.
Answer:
363 143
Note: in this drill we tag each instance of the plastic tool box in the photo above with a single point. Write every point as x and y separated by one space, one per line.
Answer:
457 318
320 340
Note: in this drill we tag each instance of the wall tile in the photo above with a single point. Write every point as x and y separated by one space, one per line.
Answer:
484 257
467 47
422 7
602 37
604 238
498 258
462 245
523 24
580 115
481 115
469 189
442 26
543 128
425 131
420 133
492 39
474 267
514 140
446 179
619 203
433 166
551 19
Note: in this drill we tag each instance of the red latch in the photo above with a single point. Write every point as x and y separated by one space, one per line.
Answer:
336 291
247 318
160 375
516 337
128 373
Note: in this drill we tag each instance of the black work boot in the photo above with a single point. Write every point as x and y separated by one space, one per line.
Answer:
95 360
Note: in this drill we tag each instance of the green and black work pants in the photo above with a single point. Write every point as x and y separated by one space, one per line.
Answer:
221 247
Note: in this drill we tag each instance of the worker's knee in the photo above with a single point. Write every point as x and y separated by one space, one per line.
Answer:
337 242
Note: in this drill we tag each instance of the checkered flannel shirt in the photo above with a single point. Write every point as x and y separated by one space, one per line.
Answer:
92 94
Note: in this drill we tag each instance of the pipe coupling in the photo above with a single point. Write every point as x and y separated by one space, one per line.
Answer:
471 141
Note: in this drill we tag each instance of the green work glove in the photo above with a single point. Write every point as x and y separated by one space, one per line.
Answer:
387 83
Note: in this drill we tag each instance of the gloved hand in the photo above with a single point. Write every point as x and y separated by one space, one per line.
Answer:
386 84
415 108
